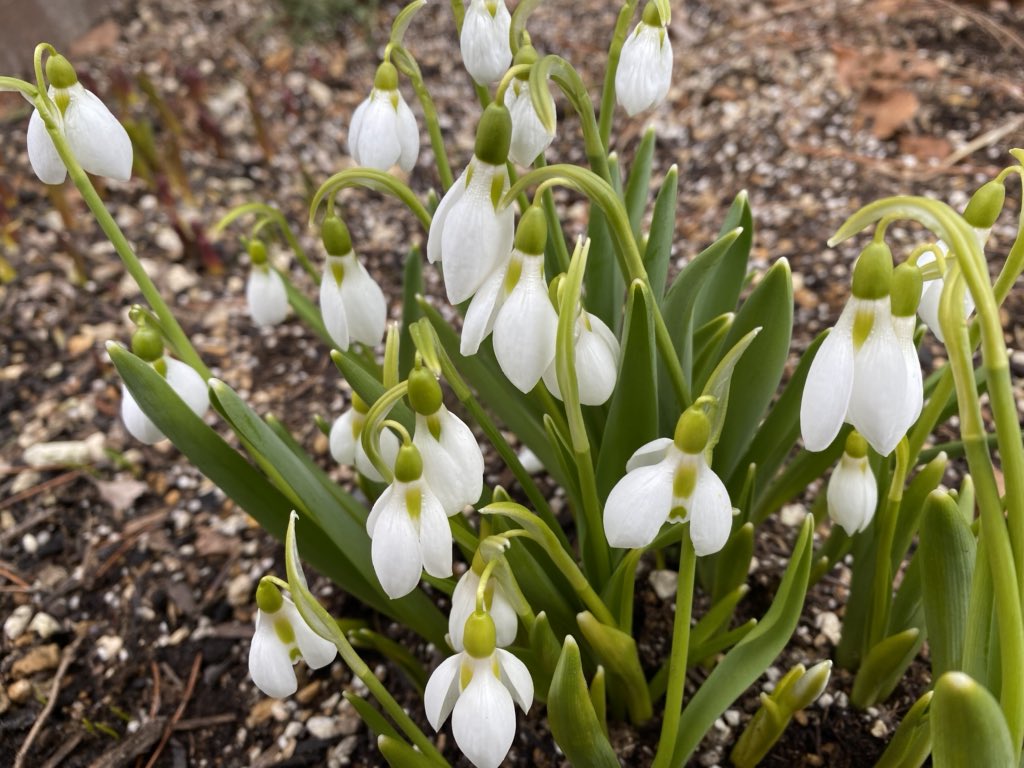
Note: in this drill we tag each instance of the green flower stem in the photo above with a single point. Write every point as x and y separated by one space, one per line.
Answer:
680 651
408 66
375 417
481 588
630 260
370 178
506 80
173 332
885 524
26 89
555 235
269 213
608 91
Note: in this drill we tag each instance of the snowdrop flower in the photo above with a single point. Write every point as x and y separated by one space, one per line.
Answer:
852 493
529 136
265 293
347 445
669 480
928 309
479 688
859 374
282 637
486 50
506 623
453 464
597 361
514 303
96 139
183 379
384 131
906 296
469 235
351 303
645 64
409 529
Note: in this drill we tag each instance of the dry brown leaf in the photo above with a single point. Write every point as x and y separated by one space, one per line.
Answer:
121 494
925 147
889 112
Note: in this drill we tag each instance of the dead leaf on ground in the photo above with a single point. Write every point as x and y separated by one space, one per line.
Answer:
889 112
925 148
121 494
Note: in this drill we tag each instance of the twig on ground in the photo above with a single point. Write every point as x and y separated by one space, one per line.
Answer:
7 572
986 139
28 493
57 759
185 696
51 701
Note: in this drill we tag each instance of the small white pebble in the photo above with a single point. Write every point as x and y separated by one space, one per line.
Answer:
17 622
44 625
664 583
108 646
30 544
830 626
879 730
732 717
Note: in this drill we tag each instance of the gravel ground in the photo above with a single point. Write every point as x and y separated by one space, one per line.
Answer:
126 584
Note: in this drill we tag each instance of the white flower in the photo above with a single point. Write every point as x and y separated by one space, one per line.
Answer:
852 493
597 361
96 139
859 377
265 295
186 383
453 464
468 234
486 50
384 131
666 484
282 637
347 446
929 306
479 687
409 529
645 65
913 391
529 137
351 303
506 623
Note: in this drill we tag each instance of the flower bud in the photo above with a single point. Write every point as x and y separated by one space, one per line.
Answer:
906 290
268 597
807 687
532 234
480 636
985 205
493 135
692 431
872 273
409 464
147 343
424 391
257 251
337 241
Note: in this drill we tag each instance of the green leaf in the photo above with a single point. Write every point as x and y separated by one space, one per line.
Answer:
617 651
968 727
912 742
401 755
367 386
633 412
730 271
574 723
947 553
886 661
546 652
718 615
912 506
752 655
403 20
412 287
658 253
374 720
639 182
604 286
707 345
733 563
720 384
758 373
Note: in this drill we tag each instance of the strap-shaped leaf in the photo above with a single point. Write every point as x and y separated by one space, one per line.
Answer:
751 656
633 412
723 289
374 720
401 755
912 742
968 727
367 386
886 661
412 287
617 652
719 386
639 181
603 281
733 563
658 253
912 506
707 346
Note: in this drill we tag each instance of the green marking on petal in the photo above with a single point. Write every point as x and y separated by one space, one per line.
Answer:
465 675
512 275
497 189
863 322
678 514
160 366
684 481
414 502
338 270
294 654
434 425
283 630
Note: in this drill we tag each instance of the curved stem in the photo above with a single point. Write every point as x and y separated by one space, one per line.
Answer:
23 87
370 435
886 527
408 66
379 181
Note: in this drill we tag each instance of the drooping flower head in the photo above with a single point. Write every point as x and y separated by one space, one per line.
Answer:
486 50
645 64
97 140
506 623
597 360
265 294
852 492
931 293
514 302
470 235
183 379
282 637
669 480
347 445
384 131
529 136
351 303
479 688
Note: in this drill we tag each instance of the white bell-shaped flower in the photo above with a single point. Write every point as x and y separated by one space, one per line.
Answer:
409 529
906 296
265 293
486 50
384 131
644 73
96 138
597 361
529 136
928 309
506 623
282 637
346 442
859 374
852 493
469 234
669 480
479 688
351 303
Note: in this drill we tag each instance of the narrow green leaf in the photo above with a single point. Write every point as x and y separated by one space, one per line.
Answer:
368 387
718 615
617 651
912 506
724 287
546 652
604 286
599 697
374 720
403 20
980 624
912 742
412 287
733 563
395 652
574 723
719 386
707 346
639 182
968 727
888 658
658 253
401 755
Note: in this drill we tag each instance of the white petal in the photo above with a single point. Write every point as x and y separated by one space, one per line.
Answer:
435 536
366 310
550 379
928 308
829 384
99 142
442 690
270 665
458 441
649 454
316 651
597 362
395 549
463 606
356 128
437 222
332 308
639 504
852 494
710 512
266 296
529 137
904 328
645 69
485 46
136 422
189 385
408 136
452 466
525 330
878 401
482 310
484 718
376 145
516 678
42 154
344 436
382 503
